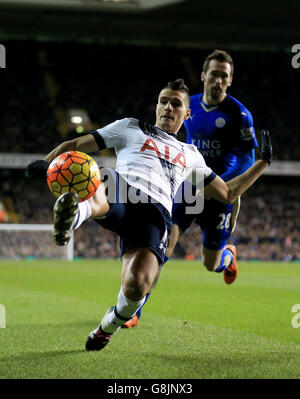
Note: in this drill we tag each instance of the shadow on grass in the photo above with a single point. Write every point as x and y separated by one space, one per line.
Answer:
70 324
28 365
39 355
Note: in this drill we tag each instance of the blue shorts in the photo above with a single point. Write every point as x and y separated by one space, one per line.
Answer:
215 222
139 225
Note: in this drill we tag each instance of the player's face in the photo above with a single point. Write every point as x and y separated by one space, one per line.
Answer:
216 80
172 110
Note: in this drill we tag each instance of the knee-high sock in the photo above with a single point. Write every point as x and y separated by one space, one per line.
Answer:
84 212
124 310
226 259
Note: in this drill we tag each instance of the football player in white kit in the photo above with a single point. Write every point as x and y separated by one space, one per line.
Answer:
151 165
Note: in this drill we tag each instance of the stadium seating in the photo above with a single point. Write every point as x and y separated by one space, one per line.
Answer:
50 78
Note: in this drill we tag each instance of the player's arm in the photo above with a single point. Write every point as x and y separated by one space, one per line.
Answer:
228 192
112 135
87 143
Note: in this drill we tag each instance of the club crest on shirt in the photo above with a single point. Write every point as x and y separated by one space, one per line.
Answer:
220 122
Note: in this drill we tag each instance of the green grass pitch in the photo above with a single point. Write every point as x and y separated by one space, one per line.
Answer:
193 326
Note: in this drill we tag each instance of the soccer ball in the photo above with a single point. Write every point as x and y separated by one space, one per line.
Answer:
73 171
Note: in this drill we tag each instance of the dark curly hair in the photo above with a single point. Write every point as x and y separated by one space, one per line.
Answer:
178 84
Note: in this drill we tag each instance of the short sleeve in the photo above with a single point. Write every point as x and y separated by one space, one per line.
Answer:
247 132
113 134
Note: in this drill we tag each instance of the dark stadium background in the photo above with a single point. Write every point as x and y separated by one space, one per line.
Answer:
111 64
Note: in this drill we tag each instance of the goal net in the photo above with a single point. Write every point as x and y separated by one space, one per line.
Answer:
29 241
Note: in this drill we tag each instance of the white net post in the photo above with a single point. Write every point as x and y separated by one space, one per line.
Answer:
10 228
70 246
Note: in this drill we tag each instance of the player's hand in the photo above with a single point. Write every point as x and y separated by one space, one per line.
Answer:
37 170
266 152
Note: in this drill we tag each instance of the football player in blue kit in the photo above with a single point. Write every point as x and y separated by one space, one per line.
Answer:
222 130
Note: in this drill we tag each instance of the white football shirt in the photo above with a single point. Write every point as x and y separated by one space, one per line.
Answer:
152 160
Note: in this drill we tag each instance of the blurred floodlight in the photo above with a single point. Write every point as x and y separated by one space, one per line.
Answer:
78 116
76 119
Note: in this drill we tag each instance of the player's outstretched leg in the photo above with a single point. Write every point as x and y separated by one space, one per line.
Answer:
69 214
231 272
65 210
221 261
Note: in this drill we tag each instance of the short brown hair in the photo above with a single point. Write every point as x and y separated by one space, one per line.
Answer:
219 55
178 84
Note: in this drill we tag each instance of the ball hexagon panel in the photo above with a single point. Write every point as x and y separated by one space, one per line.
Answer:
73 171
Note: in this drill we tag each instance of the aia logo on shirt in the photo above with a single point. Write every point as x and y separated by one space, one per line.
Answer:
152 146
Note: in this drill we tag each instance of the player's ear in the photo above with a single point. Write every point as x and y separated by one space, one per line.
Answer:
188 114
230 81
202 76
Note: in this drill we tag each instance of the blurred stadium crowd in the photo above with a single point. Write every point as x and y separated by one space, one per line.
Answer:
112 82
268 223
267 227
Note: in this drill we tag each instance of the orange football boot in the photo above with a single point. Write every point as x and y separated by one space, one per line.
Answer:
132 322
231 272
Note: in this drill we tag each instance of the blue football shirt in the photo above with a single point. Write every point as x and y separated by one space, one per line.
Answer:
220 132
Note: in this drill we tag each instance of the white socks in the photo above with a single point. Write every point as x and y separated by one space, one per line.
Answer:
125 309
84 212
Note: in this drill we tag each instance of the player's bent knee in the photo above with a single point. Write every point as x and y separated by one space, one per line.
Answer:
211 258
135 289
209 266
169 251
